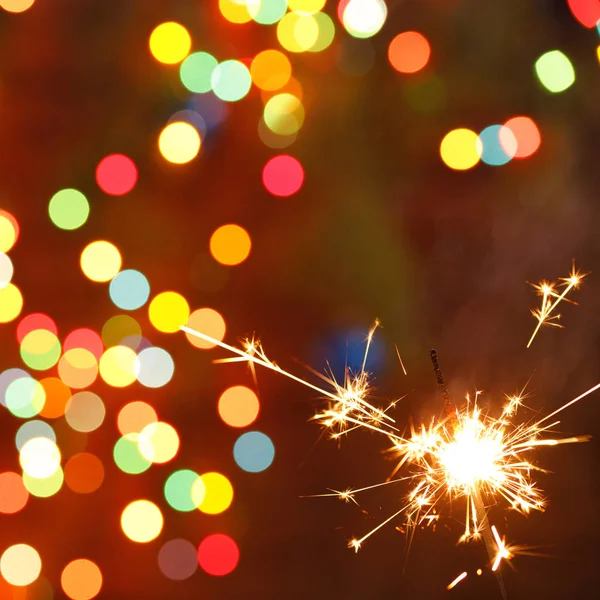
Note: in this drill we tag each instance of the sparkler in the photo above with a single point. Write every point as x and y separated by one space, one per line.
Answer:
468 454
551 298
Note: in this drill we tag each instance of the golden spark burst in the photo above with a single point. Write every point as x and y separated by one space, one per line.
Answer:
468 455
552 296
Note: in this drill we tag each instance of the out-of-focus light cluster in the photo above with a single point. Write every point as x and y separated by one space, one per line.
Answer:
496 145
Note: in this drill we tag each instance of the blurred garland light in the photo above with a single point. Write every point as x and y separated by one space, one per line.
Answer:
16 6
170 43
587 12
267 12
555 71
364 18
461 149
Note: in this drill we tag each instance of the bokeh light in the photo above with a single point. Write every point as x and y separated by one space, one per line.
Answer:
235 11
170 43
196 72
555 71
179 142
13 494
364 18
158 442
44 487
33 429
283 175
230 245
498 145
460 149
254 451
25 397
100 261
230 80
40 349
127 455
326 32
308 7
11 302
129 290
587 12
16 6
35 321
168 311
57 394
85 412
117 366
284 114
119 328
78 368
209 322
177 559
84 473
9 231
20 565
116 174
6 270
81 579
68 209
298 32
40 458
526 134
218 554
178 490
141 521
409 52
133 417
270 70
238 406
84 338
215 493
154 367
267 12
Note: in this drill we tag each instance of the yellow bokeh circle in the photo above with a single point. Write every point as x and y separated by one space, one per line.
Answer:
235 11
117 366
179 142
158 442
217 490
100 261
168 311
461 149
230 245
141 521
170 43
11 303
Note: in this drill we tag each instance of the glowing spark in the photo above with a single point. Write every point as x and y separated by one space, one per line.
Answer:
468 455
503 552
462 576
551 298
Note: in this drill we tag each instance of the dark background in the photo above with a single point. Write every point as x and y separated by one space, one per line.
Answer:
381 228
